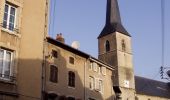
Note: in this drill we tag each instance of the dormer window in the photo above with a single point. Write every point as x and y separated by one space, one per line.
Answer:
107 46
123 45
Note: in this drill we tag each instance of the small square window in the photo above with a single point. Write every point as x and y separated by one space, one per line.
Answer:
71 60
54 53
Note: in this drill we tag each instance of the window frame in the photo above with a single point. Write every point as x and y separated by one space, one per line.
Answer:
7 26
103 70
107 46
95 66
53 73
91 66
91 82
71 79
71 60
4 59
101 86
54 53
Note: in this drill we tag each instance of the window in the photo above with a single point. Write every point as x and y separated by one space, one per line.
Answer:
95 67
71 98
54 53
107 46
91 66
103 70
9 19
71 79
101 86
5 64
91 83
53 73
71 60
123 45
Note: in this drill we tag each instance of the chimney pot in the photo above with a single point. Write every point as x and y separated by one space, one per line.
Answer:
60 38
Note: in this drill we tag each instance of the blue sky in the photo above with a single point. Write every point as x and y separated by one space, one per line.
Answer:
83 20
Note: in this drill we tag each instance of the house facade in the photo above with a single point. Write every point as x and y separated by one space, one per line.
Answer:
23 26
77 75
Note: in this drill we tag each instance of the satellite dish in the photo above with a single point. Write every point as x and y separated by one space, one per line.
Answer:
75 44
168 73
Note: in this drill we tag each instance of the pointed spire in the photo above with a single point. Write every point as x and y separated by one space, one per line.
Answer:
112 13
113 20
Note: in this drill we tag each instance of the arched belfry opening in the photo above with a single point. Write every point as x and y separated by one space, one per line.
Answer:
123 45
107 46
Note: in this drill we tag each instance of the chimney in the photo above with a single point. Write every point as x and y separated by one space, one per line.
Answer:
60 38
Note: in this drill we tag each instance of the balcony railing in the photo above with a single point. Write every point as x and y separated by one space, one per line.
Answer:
7 27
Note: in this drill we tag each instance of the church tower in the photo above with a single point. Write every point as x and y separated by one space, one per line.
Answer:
115 49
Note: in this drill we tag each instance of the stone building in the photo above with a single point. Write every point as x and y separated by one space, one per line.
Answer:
75 75
36 67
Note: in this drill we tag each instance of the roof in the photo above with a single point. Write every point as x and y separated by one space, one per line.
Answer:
67 47
111 28
113 20
73 50
151 87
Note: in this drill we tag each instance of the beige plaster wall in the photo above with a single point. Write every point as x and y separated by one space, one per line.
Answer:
62 63
82 71
31 49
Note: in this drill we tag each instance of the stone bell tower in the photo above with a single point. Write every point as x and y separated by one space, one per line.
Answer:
115 49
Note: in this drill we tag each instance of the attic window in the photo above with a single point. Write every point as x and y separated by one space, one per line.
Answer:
107 46
71 60
54 53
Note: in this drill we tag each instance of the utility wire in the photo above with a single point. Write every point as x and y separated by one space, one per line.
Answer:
163 30
53 17
50 9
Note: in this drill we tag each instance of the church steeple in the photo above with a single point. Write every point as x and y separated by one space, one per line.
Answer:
112 13
114 46
113 20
